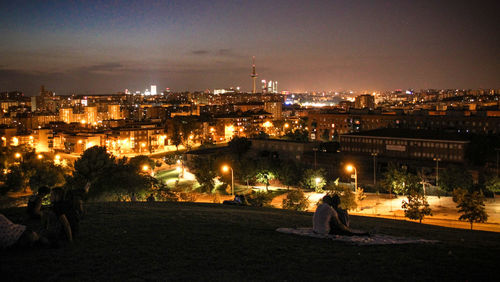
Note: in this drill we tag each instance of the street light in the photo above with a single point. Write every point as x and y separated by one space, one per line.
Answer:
350 168
374 155
317 180
437 170
40 156
145 168
17 155
226 168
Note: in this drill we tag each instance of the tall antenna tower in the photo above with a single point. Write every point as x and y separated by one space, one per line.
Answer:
254 75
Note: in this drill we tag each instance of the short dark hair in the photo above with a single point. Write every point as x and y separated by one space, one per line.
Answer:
327 200
44 190
335 200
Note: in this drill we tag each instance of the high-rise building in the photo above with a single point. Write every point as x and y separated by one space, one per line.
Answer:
114 111
153 89
66 115
364 101
274 108
264 86
275 87
91 114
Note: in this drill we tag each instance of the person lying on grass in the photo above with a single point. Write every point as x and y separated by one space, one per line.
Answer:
326 219
15 235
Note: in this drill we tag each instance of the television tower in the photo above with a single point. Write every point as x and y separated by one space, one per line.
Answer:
253 75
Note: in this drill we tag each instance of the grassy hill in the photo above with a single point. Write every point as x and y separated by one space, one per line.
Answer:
190 241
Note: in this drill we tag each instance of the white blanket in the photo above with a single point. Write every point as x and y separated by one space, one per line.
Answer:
375 239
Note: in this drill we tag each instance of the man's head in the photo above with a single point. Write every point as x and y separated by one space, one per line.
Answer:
327 200
44 190
335 200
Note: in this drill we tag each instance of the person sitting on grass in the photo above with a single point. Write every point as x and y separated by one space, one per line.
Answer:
326 220
61 222
35 202
342 214
15 235
151 198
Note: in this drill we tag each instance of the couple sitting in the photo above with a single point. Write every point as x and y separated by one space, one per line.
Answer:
329 218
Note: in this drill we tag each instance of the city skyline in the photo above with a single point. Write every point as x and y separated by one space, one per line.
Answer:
105 47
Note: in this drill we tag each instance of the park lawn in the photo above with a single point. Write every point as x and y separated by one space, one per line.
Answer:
193 241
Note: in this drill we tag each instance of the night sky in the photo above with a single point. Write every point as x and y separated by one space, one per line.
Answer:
107 46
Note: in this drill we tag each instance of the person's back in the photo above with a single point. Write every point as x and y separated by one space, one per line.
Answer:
322 217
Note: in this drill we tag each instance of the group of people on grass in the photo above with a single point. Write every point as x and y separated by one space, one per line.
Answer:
59 222
330 218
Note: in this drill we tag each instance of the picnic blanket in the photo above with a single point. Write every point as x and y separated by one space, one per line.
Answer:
375 239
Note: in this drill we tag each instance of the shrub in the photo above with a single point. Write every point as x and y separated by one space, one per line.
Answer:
416 207
260 199
166 195
296 200
188 196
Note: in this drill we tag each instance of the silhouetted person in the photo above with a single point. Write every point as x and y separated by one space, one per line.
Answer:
342 214
326 220
151 198
35 202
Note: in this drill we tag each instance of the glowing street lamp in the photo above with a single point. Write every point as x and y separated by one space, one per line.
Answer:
145 168
17 155
350 168
226 168
317 180
40 156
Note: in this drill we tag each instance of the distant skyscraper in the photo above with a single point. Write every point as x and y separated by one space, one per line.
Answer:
275 87
254 75
153 89
264 86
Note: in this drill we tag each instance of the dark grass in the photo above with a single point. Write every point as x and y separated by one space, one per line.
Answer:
190 241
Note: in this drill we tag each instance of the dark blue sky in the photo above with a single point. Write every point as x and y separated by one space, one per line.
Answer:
107 46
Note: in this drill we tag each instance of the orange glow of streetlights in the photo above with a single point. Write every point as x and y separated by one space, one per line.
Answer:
145 168
40 156
350 168
57 157
226 168
17 155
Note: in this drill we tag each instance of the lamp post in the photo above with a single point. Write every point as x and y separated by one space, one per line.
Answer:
350 168
437 170
317 180
226 168
374 155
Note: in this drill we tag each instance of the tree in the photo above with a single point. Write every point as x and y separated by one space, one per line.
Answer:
296 200
94 164
239 146
454 177
264 176
493 184
204 173
472 207
313 179
416 207
400 181
289 174
48 174
138 162
246 170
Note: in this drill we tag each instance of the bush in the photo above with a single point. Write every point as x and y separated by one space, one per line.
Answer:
347 197
166 195
416 207
260 199
188 196
296 200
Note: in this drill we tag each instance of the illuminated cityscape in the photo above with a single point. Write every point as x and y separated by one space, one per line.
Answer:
162 140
